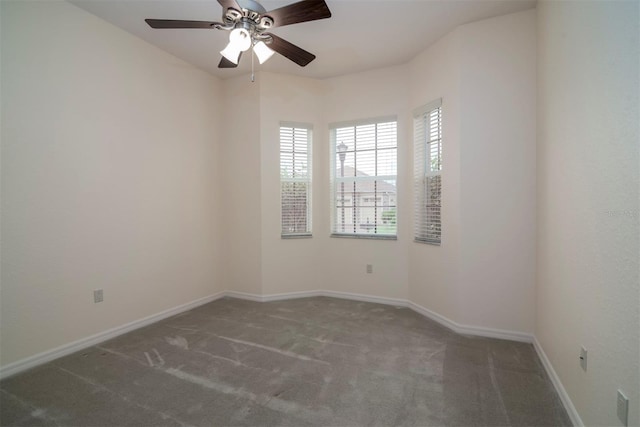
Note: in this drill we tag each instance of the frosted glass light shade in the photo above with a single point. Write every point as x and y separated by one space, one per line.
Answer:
263 52
231 52
240 39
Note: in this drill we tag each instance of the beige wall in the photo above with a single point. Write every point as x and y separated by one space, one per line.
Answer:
126 169
290 265
443 278
259 261
497 96
485 72
109 172
129 170
371 94
240 184
434 270
588 221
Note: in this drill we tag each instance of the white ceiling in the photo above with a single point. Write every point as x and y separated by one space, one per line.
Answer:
360 35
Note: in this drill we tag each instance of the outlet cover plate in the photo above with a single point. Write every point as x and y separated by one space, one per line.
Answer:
623 408
583 358
98 296
369 268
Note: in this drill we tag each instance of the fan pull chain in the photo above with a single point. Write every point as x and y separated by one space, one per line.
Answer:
253 76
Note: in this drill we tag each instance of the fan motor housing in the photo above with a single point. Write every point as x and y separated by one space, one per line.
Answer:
251 11
251 6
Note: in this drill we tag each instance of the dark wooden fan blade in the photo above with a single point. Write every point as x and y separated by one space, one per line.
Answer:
302 11
225 63
173 23
291 51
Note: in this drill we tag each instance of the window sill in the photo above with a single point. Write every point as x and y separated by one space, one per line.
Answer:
296 236
364 236
427 242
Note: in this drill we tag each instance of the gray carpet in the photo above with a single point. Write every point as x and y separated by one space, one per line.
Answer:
312 361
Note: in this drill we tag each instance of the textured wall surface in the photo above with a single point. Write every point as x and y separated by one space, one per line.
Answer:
498 172
290 265
434 271
240 185
109 172
588 219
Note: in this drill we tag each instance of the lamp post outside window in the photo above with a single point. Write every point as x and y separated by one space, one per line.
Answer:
342 153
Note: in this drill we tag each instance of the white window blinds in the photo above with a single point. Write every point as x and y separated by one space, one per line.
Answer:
427 138
363 178
295 179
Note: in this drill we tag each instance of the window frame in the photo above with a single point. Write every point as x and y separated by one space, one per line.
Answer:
422 174
335 180
308 180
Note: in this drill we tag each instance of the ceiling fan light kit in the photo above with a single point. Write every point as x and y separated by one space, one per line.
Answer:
262 51
240 38
239 41
248 23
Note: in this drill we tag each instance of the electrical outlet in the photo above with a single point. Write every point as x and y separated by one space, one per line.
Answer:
369 268
98 296
623 408
583 358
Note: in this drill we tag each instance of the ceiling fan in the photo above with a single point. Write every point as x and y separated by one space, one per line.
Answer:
248 23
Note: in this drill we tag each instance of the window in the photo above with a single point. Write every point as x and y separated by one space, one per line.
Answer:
427 140
295 180
363 178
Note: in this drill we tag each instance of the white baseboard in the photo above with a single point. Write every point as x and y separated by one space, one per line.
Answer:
72 347
438 318
555 379
272 297
471 330
244 295
317 293
398 302
366 298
